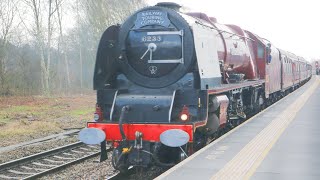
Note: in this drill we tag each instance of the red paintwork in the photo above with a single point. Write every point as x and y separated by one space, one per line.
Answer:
273 71
270 71
303 68
200 123
260 59
286 65
295 69
233 49
151 132
289 61
246 53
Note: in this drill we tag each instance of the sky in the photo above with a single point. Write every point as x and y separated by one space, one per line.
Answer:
292 25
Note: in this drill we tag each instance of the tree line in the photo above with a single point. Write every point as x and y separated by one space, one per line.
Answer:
49 46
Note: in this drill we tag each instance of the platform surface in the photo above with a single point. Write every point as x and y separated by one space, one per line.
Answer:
296 154
282 142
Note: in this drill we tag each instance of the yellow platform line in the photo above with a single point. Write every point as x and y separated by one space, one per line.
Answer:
245 163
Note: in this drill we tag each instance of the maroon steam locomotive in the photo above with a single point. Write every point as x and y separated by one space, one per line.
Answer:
169 82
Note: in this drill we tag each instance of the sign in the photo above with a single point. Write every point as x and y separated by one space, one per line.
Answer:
152 17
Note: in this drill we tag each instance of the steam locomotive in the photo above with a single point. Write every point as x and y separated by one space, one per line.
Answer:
169 82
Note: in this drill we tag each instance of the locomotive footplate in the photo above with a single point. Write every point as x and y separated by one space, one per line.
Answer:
151 132
139 144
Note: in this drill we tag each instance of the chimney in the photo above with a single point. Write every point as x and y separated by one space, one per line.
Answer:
170 5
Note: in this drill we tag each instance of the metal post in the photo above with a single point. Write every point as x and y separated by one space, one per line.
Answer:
103 155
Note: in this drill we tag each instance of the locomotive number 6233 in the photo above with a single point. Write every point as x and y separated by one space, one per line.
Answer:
151 39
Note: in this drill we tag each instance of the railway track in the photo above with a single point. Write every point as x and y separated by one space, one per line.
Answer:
118 176
137 174
67 133
40 164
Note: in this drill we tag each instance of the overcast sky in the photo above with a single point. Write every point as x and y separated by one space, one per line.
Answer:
292 25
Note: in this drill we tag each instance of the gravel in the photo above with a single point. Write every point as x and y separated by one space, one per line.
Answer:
147 174
35 148
92 169
89 169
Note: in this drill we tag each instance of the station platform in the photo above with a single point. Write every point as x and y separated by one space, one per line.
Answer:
281 142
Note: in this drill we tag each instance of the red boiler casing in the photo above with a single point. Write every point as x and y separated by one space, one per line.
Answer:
234 48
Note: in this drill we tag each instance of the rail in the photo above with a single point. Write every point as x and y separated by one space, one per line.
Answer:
43 163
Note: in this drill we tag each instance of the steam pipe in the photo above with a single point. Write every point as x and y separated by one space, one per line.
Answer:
123 111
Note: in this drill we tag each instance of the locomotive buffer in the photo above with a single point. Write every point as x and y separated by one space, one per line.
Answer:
279 143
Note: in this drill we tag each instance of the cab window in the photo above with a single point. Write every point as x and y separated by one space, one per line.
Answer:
260 51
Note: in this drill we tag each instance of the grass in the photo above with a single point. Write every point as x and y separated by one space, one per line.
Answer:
23 128
18 112
80 112
23 118
7 112
4 120
42 112
18 109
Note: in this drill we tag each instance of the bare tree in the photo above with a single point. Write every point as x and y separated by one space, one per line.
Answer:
45 52
80 50
36 7
7 16
49 35
100 14
62 43
51 10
